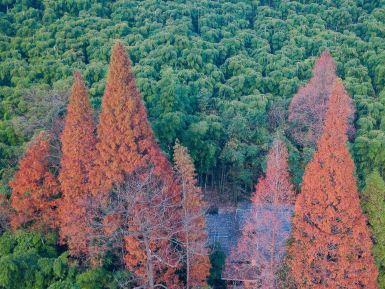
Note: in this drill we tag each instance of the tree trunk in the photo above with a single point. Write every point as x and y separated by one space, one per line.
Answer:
150 267
186 235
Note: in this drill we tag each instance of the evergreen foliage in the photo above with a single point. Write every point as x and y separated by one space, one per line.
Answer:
32 260
373 202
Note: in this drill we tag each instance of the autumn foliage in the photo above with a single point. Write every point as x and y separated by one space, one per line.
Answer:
331 243
259 253
276 187
122 199
149 251
126 141
133 180
308 107
35 188
196 260
78 151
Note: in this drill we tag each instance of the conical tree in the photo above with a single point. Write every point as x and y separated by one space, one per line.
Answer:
308 107
34 188
194 237
126 141
276 188
78 152
331 245
261 248
373 201
127 152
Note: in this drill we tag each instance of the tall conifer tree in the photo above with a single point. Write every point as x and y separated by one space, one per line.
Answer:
308 107
127 152
261 248
126 141
78 152
331 245
194 237
35 188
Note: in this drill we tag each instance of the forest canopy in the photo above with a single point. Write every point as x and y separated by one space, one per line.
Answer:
192 144
217 75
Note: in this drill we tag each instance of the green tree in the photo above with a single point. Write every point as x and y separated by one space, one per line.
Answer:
373 202
217 259
30 260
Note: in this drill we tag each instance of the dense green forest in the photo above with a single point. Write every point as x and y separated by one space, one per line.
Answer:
217 75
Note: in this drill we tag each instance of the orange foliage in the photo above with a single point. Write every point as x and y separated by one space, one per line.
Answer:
331 243
111 223
78 149
126 152
308 107
126 141
35 188
151 225
194 236
135 256
276 188
261 248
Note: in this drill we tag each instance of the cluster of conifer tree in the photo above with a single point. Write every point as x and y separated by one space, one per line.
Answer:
94 202
117 201
331 245
116 193
218 75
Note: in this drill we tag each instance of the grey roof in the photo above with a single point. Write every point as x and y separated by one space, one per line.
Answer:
224 228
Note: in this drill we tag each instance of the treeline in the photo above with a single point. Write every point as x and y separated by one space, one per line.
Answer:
218 75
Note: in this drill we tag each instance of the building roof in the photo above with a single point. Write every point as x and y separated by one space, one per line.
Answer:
225 229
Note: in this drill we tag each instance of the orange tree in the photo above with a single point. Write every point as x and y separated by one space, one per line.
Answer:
128 158
35 188
331 245
78 150
196 259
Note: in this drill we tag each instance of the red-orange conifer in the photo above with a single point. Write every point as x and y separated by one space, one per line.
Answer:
193 237
78 151
126 141
259 253
276 188
127 152
308 107
331 243
35 188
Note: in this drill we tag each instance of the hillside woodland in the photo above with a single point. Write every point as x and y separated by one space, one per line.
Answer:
123 123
